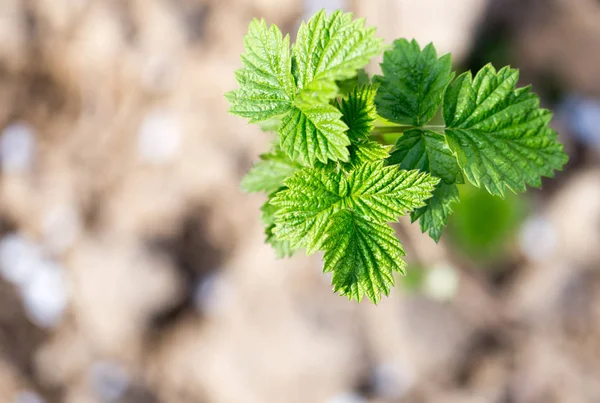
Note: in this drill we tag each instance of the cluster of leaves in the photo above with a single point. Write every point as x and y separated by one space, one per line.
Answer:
332 187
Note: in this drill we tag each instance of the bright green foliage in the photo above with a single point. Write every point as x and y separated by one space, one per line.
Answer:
282 248
346 86
358 112
267 87
333 47
365 150
434 216
363 255
369 197
333 184
313 195
427 151
328 48
268 174
413 83
304 208
498 132
314 132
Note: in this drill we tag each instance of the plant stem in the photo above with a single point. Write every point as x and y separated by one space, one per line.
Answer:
381 130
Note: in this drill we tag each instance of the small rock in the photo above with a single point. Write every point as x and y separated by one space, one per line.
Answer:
17 148
109 380
159 138
347 397
45 295
28 396
61 227
441 282
19 259
538 239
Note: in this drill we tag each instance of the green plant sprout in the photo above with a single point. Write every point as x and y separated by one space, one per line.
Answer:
331 183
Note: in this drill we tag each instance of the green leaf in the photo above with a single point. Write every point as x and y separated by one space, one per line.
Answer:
363 255
282 248
413 83
358 112
347 85
313 195
332 48
304 208
267 86
268 174
434 216
499 133
427 151
384 193
314 132
367 151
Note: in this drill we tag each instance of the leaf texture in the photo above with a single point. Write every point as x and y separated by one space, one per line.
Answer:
268 174
363 151
386 192
333 47
499 133
282 248
434 216
314 132
413 83
313 195
267 87
363 255
358 112
426 151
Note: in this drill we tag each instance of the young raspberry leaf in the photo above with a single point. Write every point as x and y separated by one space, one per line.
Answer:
358 112
313 132
413 83
384 193
363 256
282 248
427 151
367 151
267 87
499 133
333 47
434 216
268 174
313 195
346 86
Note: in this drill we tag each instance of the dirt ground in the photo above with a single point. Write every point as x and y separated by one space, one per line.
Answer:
134 269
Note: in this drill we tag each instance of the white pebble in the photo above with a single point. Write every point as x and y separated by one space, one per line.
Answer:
109 380
313 6
538 239
159 74
347 397
17 148
213 295
159 138
45 296
28 396
61 227
441 282
390 380
19 259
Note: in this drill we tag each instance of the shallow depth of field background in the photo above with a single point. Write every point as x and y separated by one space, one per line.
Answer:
133 269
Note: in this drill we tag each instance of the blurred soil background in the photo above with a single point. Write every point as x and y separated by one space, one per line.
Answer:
133 268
